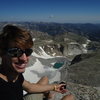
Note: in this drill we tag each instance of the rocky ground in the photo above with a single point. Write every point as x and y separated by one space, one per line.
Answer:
81 92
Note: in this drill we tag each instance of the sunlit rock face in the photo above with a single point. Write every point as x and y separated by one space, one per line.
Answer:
67 49
74 48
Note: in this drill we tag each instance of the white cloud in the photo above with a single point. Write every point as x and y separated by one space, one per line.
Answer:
51 16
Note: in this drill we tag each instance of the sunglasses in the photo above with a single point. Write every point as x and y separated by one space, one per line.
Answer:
17 52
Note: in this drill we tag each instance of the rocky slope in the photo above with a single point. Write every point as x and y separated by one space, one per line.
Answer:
78 74
86 69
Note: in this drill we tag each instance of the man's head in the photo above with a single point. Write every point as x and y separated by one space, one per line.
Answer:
15 47
13 36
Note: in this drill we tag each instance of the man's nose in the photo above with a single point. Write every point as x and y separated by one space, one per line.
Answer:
23 57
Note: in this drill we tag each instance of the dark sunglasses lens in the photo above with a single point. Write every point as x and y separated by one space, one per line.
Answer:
28 52
19 53
15 52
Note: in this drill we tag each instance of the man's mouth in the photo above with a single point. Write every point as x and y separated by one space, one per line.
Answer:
21 65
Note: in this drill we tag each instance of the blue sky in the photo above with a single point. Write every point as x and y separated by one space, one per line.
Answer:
63 11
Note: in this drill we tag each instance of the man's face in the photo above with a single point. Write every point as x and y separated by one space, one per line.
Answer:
19 58
19 63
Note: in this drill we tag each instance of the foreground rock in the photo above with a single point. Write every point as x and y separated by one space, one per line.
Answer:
86 70
81 92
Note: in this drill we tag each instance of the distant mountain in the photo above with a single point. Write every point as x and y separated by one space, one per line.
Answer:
91 31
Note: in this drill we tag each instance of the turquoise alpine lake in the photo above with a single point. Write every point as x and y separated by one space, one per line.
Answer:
57 65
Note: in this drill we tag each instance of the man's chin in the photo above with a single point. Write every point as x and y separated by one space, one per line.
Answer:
21 70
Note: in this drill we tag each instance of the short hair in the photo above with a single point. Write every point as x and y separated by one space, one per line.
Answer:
13 36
